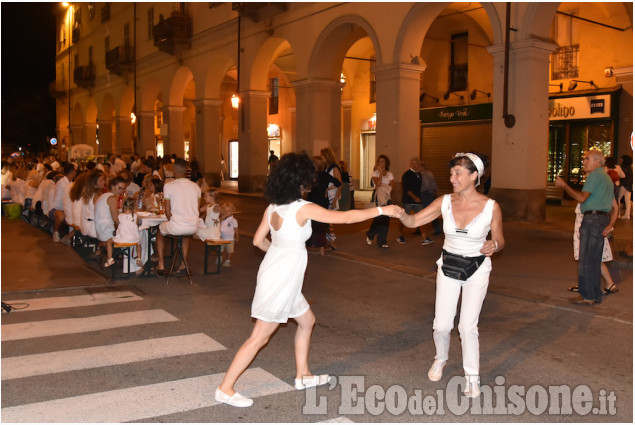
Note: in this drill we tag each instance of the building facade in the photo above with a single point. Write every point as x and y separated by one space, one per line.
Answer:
225 83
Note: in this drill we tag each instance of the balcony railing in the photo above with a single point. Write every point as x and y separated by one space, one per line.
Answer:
75 35
105 12
257 11
120 59
84 76
174 34
58 89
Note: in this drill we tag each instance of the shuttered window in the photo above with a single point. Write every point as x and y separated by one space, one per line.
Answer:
439 143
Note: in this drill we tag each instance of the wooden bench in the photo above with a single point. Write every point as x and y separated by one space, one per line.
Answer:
122 250
214 245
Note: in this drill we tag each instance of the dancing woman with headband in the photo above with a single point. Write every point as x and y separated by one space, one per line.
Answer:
465 265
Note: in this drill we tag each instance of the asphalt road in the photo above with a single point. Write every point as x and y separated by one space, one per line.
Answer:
144 351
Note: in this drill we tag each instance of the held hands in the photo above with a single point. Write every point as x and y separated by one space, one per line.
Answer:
489 247
392 211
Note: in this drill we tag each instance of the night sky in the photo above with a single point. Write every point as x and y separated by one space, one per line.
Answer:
28 67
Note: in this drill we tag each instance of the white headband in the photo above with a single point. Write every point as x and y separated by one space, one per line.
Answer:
480 167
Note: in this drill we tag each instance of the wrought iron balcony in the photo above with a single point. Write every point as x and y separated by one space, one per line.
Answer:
105 12
259 11
75 35
173 35
58 89
84 76
120 60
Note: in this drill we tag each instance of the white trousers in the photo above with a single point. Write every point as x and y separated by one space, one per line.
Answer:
448 290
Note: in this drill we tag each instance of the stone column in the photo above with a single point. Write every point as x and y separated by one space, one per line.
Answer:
519 153
253 146
208 141
124 135
318 115
147 141
173 115
90 134
105 137
398 127
77 135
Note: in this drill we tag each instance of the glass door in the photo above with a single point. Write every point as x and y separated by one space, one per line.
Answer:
233 159
556 164
367 160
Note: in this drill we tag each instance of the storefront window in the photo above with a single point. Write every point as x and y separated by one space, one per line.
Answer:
557 151
583 137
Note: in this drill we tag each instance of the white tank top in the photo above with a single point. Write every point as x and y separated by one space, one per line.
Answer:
468 241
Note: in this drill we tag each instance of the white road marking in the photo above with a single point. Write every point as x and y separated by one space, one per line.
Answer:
98 298
107 355
85 324
137 403
338 420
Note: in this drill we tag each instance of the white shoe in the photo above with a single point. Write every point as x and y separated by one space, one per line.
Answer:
109 262
56 237
227 264
436 370
314 381
237 400
369 241
472 387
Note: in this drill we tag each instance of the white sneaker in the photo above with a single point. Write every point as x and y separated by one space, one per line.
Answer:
472 387
237 400
56 237
227 264
436 370
313 381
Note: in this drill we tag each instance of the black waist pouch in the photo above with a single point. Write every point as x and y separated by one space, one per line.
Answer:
459 267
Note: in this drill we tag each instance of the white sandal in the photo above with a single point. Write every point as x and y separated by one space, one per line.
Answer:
109 262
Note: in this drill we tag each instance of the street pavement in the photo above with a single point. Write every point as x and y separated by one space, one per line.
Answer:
81 348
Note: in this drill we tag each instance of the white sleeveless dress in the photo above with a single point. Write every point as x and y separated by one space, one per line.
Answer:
127 231
104 225
87 225
278 294
210 228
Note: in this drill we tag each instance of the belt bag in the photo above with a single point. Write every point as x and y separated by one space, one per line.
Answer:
459 267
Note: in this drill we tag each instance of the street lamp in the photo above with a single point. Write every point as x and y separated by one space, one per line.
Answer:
235 101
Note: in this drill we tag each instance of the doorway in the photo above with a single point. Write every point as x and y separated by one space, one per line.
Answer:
233 159
368 158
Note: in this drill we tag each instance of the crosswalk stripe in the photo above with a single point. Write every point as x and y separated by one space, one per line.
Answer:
338 420
98 298
137 403
27 330
109 355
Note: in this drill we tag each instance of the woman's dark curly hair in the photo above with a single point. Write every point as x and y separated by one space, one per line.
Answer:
294 173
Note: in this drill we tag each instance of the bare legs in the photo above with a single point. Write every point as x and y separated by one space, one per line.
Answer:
259 337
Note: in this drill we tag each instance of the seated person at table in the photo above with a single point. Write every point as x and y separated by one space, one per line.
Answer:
210 227
180 202
152 187
107 211
127 231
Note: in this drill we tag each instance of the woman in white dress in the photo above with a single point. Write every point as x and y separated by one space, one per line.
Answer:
91 191
278 294
468 217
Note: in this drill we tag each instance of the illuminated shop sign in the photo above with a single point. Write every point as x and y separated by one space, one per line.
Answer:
579 108
481 111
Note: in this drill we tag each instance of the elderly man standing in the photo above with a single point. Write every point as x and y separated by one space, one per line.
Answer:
596 199
180 198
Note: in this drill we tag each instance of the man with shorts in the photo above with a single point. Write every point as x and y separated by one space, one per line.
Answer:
411 184
180 201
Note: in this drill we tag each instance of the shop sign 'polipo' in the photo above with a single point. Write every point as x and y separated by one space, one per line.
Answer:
579 108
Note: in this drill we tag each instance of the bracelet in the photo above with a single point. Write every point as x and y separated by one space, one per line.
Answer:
495 246
380 211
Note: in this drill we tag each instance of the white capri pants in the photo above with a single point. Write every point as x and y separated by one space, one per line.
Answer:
448 291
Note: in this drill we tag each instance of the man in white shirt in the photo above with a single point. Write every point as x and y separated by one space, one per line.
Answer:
117 164
181 201
54 164
56 213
